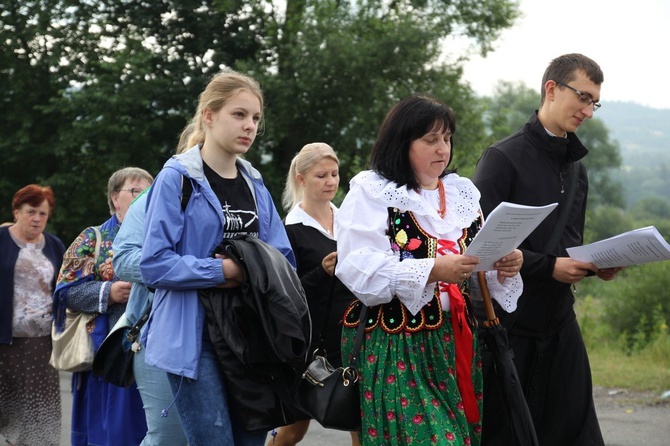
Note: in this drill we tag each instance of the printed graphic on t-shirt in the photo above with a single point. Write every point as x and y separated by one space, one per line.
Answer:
239 222
237 203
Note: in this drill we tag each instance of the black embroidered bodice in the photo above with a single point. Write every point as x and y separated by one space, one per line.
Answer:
410 241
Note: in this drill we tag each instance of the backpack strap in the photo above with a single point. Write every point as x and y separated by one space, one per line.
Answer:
555 237
186 192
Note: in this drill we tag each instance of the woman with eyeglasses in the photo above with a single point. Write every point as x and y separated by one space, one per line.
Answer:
102 414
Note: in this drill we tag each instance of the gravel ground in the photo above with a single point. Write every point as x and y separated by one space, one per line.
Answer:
627 418
630 418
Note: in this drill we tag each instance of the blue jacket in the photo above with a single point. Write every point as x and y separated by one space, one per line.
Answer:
127 249
177 256
53 250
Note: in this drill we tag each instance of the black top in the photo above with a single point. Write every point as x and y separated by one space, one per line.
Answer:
310 246
532 168
239 207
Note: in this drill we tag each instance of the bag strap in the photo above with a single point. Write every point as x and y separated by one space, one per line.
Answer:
353 358
556 234
565 210
135 330
98 241
327 313
361 326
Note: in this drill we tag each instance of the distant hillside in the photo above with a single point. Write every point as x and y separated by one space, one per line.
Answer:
642 132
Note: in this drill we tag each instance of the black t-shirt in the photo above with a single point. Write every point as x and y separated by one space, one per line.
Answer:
239 208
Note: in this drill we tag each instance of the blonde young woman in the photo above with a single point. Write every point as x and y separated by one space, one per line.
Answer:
228 199
311 184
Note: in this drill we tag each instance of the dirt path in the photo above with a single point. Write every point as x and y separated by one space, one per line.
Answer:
629 418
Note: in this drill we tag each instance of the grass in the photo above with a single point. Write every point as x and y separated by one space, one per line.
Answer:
613 365
612 368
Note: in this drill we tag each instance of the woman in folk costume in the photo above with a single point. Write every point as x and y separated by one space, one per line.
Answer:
102 414
402 230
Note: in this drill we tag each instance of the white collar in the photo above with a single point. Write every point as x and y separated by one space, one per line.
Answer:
298 215
461 194
551 134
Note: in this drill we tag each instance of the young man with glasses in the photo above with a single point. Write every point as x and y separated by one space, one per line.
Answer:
538 165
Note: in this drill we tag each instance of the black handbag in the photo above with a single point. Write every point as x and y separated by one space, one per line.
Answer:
113 361
331 395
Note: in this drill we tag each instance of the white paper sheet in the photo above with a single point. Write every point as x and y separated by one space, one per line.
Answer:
504 230
634 247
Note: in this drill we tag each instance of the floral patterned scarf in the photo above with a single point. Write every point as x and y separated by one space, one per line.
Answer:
80 265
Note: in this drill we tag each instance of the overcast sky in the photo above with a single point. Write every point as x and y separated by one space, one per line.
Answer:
628 39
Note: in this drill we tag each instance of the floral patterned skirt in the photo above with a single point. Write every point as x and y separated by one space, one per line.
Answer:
409 393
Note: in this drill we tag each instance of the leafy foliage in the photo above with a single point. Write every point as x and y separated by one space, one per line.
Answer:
604 222
93 86
341 65
91 91
635 306
616 360
509 108
603 160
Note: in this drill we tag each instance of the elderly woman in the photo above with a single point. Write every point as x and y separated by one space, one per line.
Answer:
102 414
28 267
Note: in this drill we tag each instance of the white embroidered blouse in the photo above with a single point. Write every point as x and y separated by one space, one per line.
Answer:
373 272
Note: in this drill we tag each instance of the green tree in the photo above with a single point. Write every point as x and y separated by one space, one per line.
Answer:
651 207
143 86
338 66
604 222
638 304
92 86
509 108
34 68
603 160
96 86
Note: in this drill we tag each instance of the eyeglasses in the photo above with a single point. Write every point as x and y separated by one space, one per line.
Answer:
584 98
134 191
